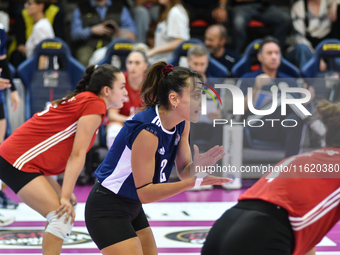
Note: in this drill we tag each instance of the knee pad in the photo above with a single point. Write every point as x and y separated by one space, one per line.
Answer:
58 227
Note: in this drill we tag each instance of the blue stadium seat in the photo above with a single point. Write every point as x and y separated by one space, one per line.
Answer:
120 47
54 82
244 64
12 69
215 68
329 50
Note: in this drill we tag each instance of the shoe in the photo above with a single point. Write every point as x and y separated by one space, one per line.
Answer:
203 187
6 220
236 184
7 203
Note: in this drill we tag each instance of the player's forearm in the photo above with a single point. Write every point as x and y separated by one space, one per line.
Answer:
155 192
186 172
73 168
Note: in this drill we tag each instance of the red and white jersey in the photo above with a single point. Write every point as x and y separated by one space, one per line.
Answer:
309 190
133 103
44 142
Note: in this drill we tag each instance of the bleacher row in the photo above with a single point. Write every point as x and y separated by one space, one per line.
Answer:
60 76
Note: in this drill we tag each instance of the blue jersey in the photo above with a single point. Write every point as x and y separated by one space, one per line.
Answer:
115 171
3 49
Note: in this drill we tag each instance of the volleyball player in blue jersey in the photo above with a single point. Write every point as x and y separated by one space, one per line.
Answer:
140 161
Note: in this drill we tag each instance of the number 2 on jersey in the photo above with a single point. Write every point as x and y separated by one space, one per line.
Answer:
162 177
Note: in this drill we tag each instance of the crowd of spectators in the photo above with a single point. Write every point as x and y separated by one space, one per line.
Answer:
161 25
88 26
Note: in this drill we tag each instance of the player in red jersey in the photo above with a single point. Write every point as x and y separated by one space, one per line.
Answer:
55 141
292 208
136 65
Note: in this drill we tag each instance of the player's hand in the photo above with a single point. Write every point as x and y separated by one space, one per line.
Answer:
214 180
66 207
208 158
73 200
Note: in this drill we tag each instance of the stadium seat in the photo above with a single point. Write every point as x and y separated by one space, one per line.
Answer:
215 68
119 47
53 82
12 70
249 60
329 50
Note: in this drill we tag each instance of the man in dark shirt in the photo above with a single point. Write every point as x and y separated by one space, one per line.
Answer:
215 40
269 56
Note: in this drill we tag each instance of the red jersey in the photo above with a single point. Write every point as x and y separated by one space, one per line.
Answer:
44 143
310 193
132 104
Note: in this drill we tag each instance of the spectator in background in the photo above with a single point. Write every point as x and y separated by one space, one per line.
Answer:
198 60
172 28
95 22
215 40
4 20
151 37
144 12
42 28
212 11
269 56
313 21
5 82
261 10
136 65
24 23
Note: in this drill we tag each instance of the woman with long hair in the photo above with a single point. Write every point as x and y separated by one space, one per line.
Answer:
55 141
136 64
139 163
172 28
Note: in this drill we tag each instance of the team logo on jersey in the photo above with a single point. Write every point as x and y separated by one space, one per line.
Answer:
178 138
196 236
25 237
161 151
331 152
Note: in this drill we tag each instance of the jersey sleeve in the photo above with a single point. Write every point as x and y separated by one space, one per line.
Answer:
135 127
94 106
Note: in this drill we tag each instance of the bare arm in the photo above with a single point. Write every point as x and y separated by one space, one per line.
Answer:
86 127
114 116
143 163
311 252
165 48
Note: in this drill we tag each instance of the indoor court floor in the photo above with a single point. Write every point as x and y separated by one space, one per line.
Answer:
180 225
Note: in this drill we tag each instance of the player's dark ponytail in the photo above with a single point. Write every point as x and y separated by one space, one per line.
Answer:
95 78
160 80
